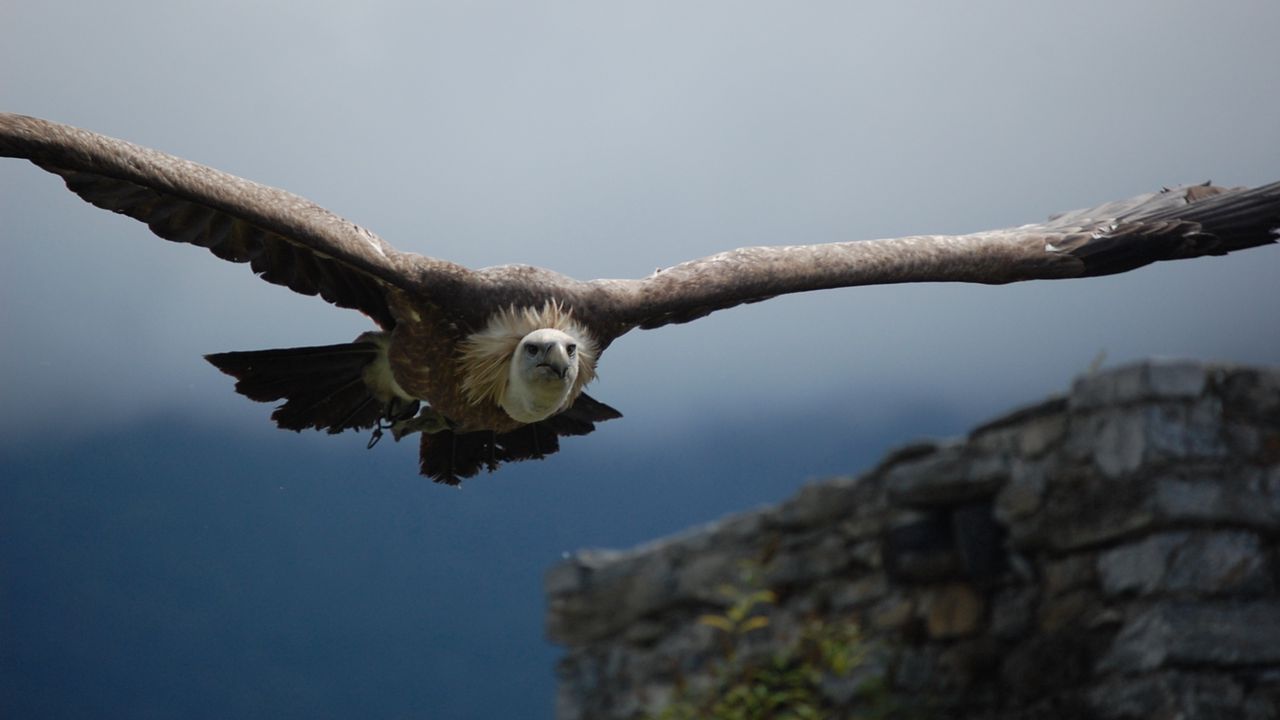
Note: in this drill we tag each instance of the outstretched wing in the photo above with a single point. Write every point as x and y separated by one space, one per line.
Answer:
1113 238
285 239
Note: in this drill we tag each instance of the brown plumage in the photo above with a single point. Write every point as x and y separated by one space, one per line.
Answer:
442 335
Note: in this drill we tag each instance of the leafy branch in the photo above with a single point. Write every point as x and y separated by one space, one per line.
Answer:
786 686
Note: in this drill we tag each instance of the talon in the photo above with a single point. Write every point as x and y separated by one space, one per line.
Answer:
428 422
392 419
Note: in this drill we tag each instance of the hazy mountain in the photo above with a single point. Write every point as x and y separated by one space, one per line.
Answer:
173 569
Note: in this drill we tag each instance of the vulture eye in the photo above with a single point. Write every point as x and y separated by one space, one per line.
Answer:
530 349
571 349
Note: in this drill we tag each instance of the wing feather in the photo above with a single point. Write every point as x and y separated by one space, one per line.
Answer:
1112 238
286 239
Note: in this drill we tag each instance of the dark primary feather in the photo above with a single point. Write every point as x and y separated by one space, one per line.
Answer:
1171 225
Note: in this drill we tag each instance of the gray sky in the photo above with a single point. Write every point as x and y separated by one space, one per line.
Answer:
607 139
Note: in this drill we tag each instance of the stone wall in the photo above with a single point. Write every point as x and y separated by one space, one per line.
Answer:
1109 554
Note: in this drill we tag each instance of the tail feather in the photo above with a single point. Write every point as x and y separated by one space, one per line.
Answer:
448 457
341 407
322 387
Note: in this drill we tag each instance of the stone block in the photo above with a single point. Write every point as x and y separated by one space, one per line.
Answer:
613 589
1082 510
1139 566
1205 563
1042 434
1023 495
1120 440
1048 664
944 477
1073 572
1013 612
1182 431
1150 380
819 556
953 611
563 578
1249 496
1187 696
1195 634
1176 378
1252 395
1076 608
817 504
1003 434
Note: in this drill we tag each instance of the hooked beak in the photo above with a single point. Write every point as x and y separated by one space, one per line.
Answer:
558 369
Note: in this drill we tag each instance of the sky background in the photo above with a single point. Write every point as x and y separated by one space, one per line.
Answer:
598 140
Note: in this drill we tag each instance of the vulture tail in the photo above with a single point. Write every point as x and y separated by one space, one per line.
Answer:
448 457
322 387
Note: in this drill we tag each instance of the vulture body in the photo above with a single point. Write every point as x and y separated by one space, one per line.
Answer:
489 366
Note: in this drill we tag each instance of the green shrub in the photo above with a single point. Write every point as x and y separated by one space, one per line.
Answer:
785 686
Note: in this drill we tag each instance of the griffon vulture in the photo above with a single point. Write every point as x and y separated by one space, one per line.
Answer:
490 365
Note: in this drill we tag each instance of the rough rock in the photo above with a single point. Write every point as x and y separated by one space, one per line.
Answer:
1108 554
1207 563
1194 634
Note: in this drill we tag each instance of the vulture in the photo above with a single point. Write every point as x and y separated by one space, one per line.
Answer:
490 366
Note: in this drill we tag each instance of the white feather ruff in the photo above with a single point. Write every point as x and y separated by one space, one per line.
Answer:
486 354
